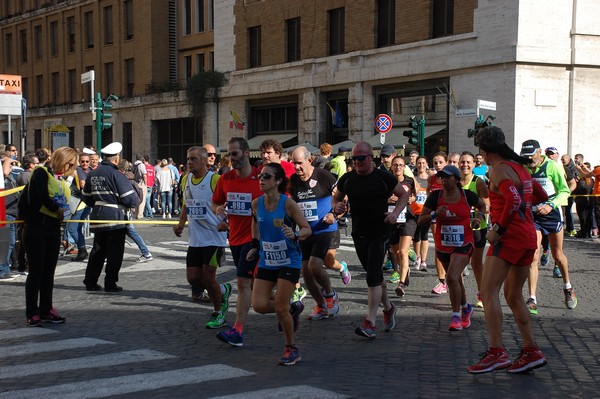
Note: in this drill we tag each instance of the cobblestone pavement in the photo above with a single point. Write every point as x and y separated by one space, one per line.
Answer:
150 340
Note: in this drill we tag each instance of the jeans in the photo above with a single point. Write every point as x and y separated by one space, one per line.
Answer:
149 205
12 239
165 201
137 238
75 230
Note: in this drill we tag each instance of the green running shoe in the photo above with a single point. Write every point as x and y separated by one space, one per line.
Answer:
217 320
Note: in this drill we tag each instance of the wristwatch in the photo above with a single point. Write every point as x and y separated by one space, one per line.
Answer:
498 229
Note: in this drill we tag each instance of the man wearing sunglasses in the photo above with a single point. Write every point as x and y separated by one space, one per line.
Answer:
232 199
367 190
212 157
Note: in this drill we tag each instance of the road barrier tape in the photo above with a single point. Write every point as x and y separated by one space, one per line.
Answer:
4 193
165 222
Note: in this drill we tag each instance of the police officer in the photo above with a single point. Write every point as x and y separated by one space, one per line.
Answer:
109 192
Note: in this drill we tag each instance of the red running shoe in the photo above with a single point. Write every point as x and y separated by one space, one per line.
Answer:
490 362
528 359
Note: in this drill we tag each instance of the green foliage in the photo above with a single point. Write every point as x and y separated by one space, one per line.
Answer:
198 88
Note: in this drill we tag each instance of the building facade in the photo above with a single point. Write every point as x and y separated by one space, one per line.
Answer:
309 71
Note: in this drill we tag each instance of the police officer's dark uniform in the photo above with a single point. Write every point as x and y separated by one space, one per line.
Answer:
110 193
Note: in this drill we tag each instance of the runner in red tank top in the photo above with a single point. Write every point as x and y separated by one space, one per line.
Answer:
513 242
440 159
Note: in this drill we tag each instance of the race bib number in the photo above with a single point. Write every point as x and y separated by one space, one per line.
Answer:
239 204
275 253
547 185
196 209
309 210
421 197
401 217
453 236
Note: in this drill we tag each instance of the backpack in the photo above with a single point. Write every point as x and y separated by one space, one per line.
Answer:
138 176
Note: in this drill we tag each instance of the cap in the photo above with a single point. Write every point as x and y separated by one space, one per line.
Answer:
450 170
551 150
529 147
112 149
344 148
88 151
387 150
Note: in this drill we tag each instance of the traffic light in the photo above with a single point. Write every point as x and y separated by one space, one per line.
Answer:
480 123
102 116
105 116
413 133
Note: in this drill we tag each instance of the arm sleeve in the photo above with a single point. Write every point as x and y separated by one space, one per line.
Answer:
512 203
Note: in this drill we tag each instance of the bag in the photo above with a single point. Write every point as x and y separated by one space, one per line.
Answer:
138 176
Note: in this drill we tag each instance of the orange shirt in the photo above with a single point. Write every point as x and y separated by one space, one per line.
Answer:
596 173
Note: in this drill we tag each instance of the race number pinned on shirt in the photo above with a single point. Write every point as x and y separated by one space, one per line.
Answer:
275 253
196 209
239 204
401 217
453 236
309 210
421 197
547 185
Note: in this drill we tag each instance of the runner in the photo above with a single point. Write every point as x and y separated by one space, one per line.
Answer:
367 190
440 160
206 244
421 237
454 244
233 198
476 185
275 218
512 247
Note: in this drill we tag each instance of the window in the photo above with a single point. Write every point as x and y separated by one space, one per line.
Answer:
129 76
386 22
187 65
200 62
39 86
199 15
8 48
211 14
88 135
254 46
336 31
127 140
109 75
71 34
293 39
25 90
37 42
443 17
73 84
128 19
274 119
55 88
88 17
23 45
37 138
211 60
54 38
108 25
187 17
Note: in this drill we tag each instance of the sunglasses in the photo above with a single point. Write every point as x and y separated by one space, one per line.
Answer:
359 157
84 161
266 176
212 154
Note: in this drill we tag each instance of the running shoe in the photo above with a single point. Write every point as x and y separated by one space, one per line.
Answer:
412 255
532 306
466 316
417 263
455 324
440 289
528 360
394 278
35 321
225 298
388 265
319 312
345 273
556 272
299 294
217 320
331 303
571 233
366 329
145 258
400 290
231 337
53 317
544 258
490 362
290 357
423 267
479 303
570 298
295 309
389 318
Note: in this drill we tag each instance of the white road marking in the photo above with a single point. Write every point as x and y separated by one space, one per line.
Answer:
109 359
131 383
52 346
25 332
293 392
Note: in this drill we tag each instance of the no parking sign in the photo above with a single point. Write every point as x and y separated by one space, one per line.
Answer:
383 124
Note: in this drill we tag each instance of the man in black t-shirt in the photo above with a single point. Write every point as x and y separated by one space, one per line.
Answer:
367 190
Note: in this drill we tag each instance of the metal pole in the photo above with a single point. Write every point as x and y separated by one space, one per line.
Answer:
9 138
98 122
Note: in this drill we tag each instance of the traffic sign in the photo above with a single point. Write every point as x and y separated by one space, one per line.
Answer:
383 123
87 77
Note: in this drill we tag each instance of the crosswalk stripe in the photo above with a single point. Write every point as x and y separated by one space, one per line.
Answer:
132 383
25 332
53 346
293 392
109 359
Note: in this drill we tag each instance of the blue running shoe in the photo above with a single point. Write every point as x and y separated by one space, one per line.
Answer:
544 258
388 265
231 337
290 357
556 272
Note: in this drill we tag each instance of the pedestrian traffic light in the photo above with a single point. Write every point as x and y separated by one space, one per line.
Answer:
413 133
480 123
